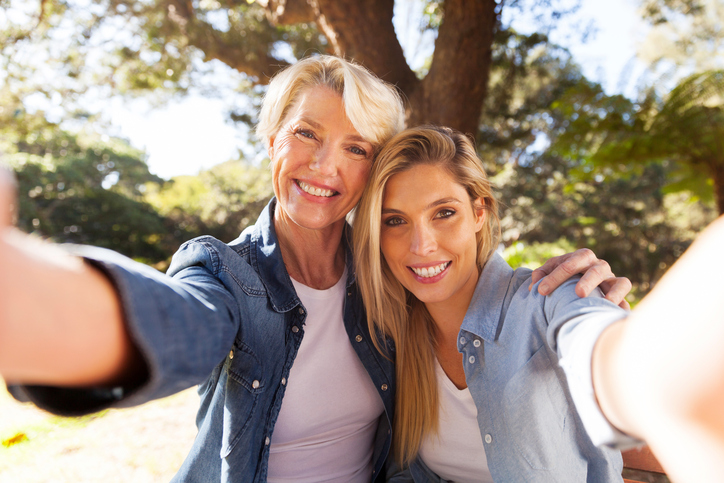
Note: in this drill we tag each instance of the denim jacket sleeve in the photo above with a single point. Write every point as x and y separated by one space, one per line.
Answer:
183 325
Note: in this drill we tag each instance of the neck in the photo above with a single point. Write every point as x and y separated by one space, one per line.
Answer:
449 314
314 258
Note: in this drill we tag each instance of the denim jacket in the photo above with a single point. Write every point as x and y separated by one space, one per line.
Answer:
512 341
229 320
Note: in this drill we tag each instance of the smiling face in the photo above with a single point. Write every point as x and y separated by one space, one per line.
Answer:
428 235
320 163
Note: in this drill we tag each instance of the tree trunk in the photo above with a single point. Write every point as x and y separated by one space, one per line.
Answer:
454 90
717 174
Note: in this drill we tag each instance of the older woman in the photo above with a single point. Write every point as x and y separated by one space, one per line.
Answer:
271 325
495 382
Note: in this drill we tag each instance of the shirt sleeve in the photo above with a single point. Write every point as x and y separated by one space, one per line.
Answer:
183 326
575 349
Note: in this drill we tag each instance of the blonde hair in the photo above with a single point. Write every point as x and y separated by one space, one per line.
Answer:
373 106
392 310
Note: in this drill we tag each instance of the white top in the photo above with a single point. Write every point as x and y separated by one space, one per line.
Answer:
456 453
327 423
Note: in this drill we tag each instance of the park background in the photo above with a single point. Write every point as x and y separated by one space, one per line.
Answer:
129 125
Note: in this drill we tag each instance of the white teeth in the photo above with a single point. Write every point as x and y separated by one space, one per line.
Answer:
430 271
315 191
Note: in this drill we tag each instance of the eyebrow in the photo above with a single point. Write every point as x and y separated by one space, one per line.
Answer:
354 138
442 201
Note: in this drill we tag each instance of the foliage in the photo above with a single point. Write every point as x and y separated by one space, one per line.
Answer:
221 201
686 128
82 188
685 35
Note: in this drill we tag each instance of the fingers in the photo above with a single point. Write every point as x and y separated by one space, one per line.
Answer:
616 290
560 269
548 267
7 198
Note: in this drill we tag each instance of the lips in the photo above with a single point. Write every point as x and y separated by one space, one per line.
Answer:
315 191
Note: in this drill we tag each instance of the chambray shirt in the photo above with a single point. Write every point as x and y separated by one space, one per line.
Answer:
513 341
230 320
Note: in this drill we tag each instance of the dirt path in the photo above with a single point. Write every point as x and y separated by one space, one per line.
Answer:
143 444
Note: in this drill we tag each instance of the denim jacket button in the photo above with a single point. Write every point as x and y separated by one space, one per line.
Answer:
266 441
295 329
231 354
462 340
301 311
358 338
255 384
471 359
476 342
284 381
488 439
384 387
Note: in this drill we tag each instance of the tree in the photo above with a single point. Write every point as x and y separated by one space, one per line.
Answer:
166 43
686 128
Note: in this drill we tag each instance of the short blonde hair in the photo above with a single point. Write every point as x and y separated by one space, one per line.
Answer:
373 106
393 310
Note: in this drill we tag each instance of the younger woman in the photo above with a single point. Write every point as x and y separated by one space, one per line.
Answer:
488 372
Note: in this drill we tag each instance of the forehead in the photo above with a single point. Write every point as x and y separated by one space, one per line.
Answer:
323 108
421 185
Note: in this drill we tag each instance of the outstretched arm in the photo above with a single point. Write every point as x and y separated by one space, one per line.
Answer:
660 374
596 273
60 318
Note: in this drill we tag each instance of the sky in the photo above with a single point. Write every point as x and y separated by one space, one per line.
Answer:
188 135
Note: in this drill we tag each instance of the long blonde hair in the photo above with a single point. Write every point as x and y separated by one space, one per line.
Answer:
391 309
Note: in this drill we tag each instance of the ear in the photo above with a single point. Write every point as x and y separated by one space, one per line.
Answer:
270 148
480 213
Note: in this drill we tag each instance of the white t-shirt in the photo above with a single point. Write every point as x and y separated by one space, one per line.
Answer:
327 423
456 453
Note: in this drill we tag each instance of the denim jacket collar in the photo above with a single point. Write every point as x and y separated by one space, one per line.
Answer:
483 315
266 258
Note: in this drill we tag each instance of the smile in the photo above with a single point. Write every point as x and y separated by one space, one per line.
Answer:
307 188
428 272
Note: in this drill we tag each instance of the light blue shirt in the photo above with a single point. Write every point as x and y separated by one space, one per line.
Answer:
512 341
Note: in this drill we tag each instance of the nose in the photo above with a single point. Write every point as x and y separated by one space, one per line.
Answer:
423 240
324 161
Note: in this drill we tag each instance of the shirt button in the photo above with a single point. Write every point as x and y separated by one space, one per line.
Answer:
384 387
266 441
462 340
471 359
295 329
231 354
476 342
284 381
488 438
358 338
255 384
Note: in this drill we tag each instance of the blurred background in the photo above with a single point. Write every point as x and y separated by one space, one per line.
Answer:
129 123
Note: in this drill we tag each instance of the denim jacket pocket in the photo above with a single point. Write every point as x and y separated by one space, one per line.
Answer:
536 412
244 385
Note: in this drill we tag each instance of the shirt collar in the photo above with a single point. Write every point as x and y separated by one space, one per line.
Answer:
266 257
483 315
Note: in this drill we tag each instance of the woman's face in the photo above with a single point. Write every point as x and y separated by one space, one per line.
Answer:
428 234
320 163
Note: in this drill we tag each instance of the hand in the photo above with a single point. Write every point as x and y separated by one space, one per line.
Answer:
596 273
